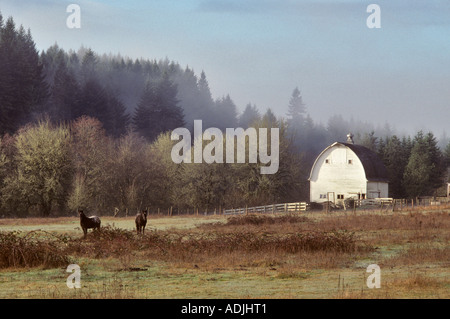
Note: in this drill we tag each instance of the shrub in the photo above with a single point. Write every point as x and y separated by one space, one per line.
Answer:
264 219
28 251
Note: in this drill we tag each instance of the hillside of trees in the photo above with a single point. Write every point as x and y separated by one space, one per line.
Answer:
83 130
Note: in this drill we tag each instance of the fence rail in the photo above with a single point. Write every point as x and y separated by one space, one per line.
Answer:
401 203
275 208
383 203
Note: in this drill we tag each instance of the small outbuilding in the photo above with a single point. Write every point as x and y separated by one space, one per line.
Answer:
344 170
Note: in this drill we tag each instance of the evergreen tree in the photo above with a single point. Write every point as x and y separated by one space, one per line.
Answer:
203 86
269 119
93 102
142 112
225 113
447 155
249 116
437 160
424 171
119 118
167 115
296 109
22 86
369 140
88 65
65 95
312 141
158 110
189 95
447 161
395 157
337 129
205 101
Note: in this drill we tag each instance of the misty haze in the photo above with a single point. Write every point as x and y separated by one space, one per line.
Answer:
224 149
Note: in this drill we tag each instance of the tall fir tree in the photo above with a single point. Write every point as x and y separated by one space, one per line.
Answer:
23 89
395 155
189 95
424 171
296 110
225 113
65 94
205 101
142 112
447 155
168 115
249 116
119 118
158 110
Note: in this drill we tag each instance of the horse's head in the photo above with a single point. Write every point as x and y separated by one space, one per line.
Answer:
144 212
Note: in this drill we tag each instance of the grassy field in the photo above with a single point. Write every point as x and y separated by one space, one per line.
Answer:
304 255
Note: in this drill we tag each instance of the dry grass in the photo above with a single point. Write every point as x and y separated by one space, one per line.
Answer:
214 246
421 254
19 251
253 219
275 252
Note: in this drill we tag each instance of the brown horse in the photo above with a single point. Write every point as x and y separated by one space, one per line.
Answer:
88 222
141 221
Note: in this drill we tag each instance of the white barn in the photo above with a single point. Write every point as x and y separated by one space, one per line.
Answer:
344 170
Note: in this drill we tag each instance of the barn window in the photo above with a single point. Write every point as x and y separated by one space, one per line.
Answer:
340 196
327 161
350 161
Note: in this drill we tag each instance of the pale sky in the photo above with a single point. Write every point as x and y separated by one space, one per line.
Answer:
258 51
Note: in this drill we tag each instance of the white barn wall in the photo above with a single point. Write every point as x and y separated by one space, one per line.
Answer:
337 176
341 177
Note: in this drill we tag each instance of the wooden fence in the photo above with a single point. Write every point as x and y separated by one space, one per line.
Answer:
402 203
376 203
275 208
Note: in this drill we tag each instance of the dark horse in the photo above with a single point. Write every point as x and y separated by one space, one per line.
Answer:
88 222
141 221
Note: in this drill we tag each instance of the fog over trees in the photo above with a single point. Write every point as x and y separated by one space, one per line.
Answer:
85 129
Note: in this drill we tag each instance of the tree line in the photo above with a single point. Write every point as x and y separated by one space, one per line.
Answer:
48 168
79 129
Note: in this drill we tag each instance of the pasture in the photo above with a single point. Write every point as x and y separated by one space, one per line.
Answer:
298 255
